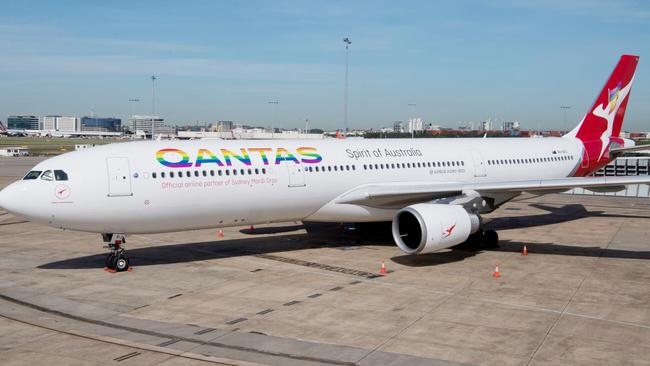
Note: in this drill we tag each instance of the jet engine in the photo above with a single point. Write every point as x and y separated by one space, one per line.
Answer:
427 227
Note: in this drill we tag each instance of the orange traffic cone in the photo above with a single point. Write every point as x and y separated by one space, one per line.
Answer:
383 270
496 273
524 251
220 234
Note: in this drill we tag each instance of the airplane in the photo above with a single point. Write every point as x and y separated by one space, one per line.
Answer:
434 191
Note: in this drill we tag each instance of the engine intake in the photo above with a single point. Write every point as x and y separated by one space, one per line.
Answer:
428 227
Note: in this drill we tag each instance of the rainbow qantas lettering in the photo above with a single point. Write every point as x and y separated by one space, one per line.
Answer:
177 158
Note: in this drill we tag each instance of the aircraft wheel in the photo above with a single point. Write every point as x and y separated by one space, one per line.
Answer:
110 261
474 241
491 239
121 263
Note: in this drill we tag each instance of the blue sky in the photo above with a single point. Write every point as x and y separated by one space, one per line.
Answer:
458 61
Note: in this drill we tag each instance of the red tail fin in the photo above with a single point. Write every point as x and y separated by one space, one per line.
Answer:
604 120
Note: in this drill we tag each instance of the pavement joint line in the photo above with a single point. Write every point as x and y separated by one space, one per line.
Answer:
119 342
199 342
294 302
557 320
405 328
263 312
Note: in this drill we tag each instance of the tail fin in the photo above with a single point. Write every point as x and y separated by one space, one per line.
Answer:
605 118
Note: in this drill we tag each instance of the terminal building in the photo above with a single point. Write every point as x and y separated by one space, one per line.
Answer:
23 123
61 124
99 124
143 125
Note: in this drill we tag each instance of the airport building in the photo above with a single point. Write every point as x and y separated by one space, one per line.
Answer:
145 123
142 125
49 123
415 125
23 123
110 124
510 126
61 124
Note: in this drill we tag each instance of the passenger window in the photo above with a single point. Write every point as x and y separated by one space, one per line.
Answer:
162 175
32 175
153 175
60 175
171 174
257 171
242 172
212 173
263 170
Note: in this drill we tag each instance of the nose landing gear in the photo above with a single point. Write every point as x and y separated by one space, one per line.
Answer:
116 260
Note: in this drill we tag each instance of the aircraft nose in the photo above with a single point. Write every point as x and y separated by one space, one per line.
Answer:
10 197
4 198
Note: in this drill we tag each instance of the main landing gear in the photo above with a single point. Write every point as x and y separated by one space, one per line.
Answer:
116 260
488 239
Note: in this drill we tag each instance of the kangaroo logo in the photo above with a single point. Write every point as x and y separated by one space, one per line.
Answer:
607 111
448 232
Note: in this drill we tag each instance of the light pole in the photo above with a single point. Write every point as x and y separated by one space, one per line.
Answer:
275 114
412 105
564 108
347 42
133 101
153 104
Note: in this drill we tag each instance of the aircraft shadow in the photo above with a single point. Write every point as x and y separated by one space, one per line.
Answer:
555 215
333 235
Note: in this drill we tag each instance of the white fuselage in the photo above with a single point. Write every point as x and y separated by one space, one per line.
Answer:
112 189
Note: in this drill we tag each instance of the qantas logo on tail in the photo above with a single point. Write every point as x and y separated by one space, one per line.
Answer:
603 122
608 112
613 97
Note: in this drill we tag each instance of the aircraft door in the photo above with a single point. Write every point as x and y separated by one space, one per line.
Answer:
479 164
296 175
119 177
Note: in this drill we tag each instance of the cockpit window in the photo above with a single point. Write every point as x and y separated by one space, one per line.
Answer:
47 175
32 175
60 175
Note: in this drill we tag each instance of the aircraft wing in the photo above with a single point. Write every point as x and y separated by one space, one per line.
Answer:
391 195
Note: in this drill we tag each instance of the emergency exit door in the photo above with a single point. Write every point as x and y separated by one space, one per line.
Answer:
296 175
119 177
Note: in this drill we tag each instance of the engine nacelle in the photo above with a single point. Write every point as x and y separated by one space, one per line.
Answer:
428 227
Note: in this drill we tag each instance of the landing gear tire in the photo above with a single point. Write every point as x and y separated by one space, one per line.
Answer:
110 261
116 260
475 241
121 263
491 239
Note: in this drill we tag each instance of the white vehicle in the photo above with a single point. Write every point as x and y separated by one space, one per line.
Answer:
433 190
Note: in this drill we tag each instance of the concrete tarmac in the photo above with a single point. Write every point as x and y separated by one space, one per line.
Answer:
291 294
